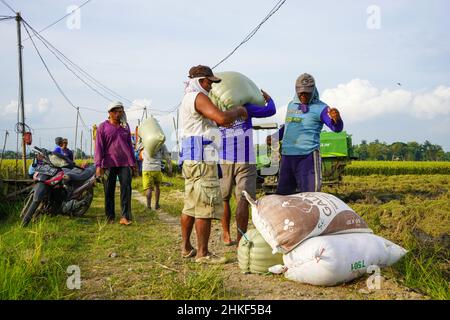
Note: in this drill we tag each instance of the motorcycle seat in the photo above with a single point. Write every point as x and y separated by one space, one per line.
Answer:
77 174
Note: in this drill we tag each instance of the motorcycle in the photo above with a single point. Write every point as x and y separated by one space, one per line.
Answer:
61 187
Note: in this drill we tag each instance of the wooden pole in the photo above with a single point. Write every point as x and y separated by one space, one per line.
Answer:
81 145
22 104
76 134
3 150
90 135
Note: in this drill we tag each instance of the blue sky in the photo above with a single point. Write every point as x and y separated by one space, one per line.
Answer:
144 49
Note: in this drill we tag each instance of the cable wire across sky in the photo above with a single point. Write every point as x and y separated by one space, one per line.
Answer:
92 83
65 16
253 32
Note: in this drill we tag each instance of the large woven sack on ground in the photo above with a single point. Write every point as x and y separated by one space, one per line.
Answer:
286 221
152 135
235 89
333 259
255 254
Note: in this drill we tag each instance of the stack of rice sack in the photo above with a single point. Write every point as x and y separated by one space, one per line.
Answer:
152 135
323 241
234 90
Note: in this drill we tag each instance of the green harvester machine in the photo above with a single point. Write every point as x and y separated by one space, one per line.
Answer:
335 149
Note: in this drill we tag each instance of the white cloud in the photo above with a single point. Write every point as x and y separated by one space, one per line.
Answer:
358 100
429 105
10 111
43 105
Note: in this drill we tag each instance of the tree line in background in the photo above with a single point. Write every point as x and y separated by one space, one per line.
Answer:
12 154
411 151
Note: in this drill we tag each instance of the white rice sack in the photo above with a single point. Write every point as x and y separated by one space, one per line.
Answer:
333 259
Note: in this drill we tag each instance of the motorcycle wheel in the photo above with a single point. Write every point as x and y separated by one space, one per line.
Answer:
30 210
87 197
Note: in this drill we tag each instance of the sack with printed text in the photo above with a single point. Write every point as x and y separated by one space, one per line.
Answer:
286 221
333 259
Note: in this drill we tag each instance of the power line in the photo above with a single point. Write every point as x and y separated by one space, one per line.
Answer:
253 32
48 71
246 39
82 121
54 51
54 128
6 4
68 68
4 18
92 79
68 14
92 109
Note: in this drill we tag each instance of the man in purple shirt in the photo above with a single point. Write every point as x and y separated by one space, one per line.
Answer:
114 156
238 166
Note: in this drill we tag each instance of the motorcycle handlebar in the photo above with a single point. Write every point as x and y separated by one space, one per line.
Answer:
42 150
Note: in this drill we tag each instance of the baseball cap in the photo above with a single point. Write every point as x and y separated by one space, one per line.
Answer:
114 105
203 71
305 83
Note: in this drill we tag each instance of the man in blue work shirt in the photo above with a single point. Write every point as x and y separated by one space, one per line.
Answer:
300 169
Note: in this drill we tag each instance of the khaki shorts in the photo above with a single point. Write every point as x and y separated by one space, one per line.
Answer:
243 176
202 196
151 179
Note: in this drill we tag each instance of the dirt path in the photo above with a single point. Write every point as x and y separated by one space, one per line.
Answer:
274 287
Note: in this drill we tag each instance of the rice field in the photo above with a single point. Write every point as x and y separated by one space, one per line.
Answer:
365 168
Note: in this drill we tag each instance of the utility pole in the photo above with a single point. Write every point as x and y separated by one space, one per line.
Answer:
81 145
3 150
76 134
21 102
90 135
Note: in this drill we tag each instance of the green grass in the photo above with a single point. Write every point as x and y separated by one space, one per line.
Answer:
146 263
33 260
395 206
423 269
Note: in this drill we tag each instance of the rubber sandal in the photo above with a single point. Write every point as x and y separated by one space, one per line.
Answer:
230 244
190 254
211 259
